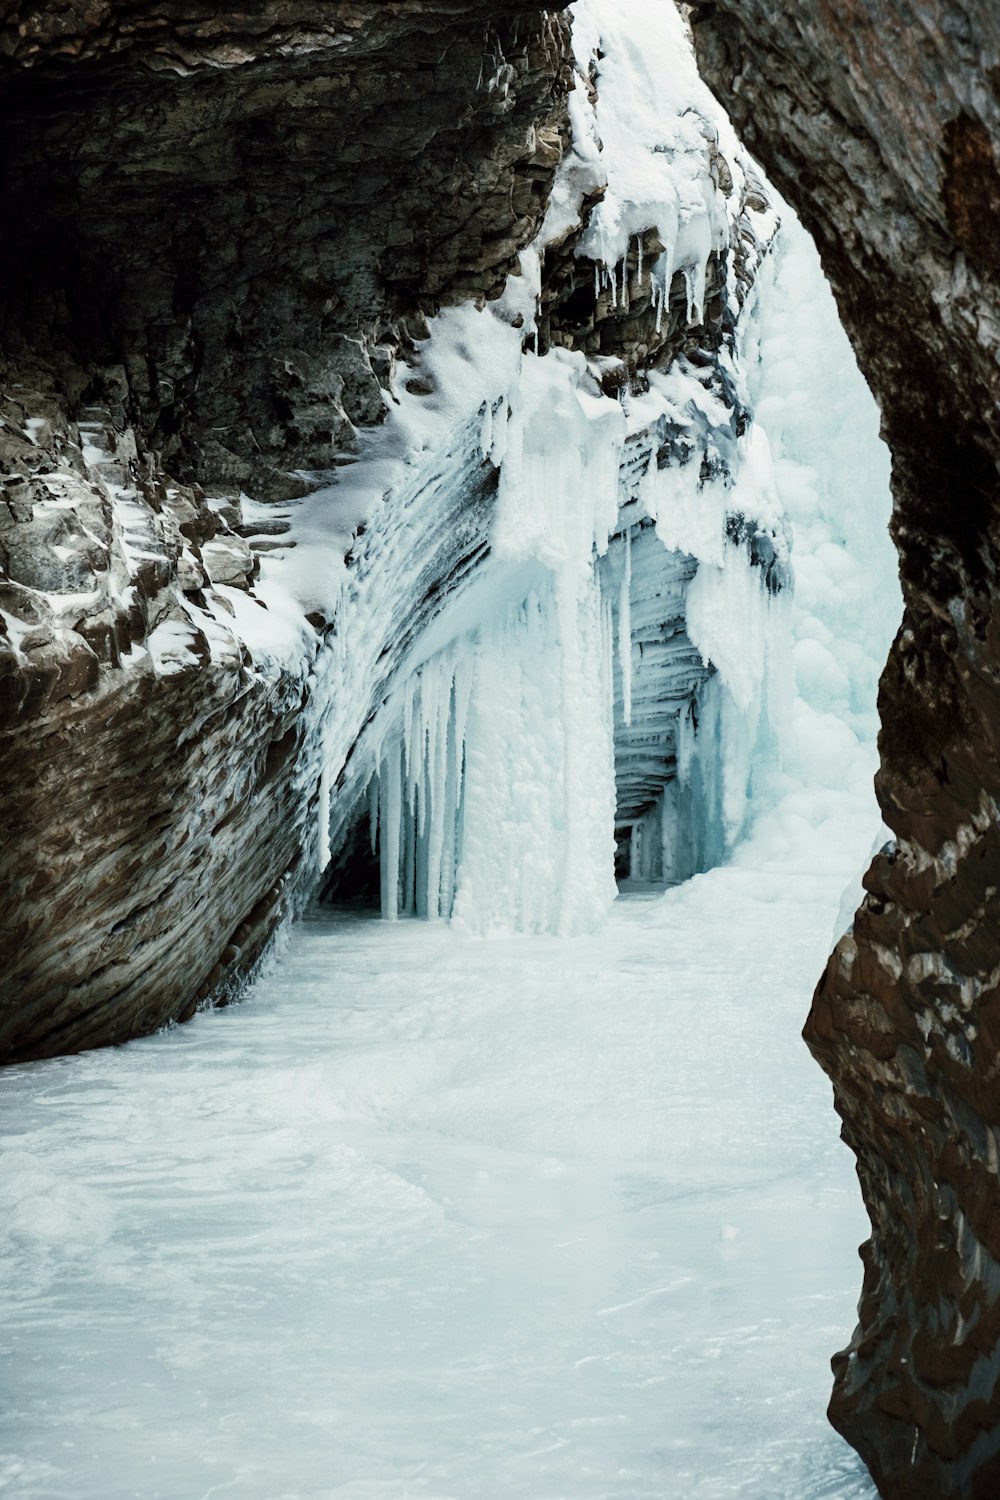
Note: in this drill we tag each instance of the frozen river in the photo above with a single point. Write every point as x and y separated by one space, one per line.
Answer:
437 1217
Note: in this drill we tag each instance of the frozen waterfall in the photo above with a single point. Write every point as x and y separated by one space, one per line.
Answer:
609 692
590 698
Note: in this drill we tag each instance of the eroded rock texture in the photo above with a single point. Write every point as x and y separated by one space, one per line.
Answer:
220 229
242 209
881 122
154 811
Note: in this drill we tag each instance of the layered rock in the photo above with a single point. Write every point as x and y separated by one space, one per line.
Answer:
219 233
154 805
881 122
243 211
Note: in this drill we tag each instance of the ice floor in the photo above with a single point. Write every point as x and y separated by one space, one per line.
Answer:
440 1217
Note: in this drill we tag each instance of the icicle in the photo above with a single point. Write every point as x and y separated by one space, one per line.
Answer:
666 267
421 769
408 711
420 855
391 821
694 281
373 811
408 893
699 292
449 850
625 627
638 253
464 672
437 763
323 810
597 281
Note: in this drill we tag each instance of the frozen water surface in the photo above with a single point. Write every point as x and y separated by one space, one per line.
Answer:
434 1216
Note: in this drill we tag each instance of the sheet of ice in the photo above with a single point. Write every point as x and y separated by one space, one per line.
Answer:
501 747
832 474
559 444
431 1217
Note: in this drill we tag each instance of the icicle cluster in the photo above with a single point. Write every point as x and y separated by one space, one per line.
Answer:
494 774
416 796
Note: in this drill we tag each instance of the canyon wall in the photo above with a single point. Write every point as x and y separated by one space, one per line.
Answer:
240 211
220 233
881 123
222 238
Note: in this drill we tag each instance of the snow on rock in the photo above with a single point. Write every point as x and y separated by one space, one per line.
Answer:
601 390
450 599
653 119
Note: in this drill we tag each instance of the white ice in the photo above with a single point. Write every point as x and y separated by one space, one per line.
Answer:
558 442
522 842
434 1217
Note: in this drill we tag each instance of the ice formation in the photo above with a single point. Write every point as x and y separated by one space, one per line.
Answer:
532 1169
591 676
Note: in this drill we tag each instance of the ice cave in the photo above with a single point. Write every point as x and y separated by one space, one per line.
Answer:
442 610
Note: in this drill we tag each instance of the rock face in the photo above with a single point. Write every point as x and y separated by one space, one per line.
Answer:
220 230
154 811
242 210
880 121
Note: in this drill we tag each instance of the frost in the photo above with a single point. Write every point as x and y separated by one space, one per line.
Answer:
591 646
655 122
495 797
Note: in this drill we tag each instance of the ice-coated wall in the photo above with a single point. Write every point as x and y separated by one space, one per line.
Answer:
588 698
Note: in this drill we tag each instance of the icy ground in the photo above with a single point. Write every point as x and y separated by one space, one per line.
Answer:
431 1216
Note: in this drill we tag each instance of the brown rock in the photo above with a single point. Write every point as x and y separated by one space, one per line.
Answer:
880 121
